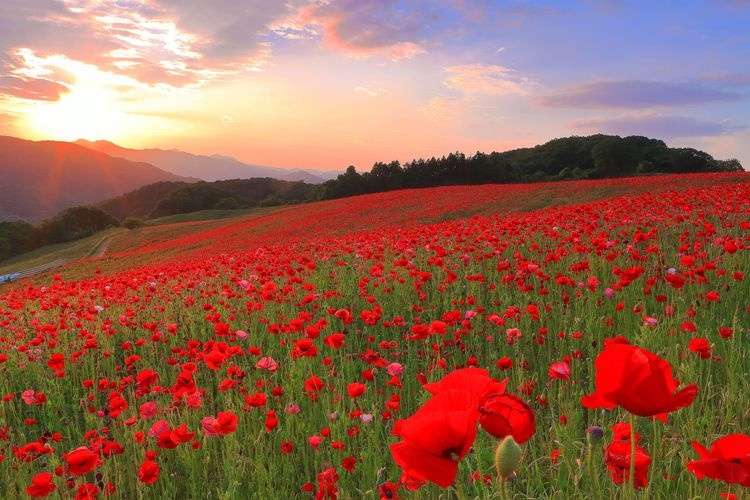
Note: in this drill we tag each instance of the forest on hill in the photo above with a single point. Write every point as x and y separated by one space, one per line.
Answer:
169 198
591 157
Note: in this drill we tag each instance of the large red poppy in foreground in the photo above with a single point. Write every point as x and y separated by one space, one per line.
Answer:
438 435
639 381
728 460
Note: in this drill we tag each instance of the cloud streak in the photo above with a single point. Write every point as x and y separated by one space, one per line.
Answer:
634 94
488 79
652 125
360 28
155 42
37 89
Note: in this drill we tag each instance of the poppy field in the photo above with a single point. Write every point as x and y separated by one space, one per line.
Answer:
531 341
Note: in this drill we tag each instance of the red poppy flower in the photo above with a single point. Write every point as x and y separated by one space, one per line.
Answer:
356 389
506 414
728 460
87 491
701 347
267 363
438 435
475 381
348 463
224 423
41 485
313 384
638 380
257 400
81 461
617 457
559 370
148 472
504 363
56 361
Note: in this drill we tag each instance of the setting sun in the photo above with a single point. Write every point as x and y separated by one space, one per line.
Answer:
83 114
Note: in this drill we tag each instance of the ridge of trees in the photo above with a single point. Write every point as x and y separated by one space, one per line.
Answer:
19 236
169 198
577 157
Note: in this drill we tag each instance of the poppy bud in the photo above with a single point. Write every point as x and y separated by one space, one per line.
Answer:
507 457
594 434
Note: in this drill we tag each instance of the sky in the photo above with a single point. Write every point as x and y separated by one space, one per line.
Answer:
331 83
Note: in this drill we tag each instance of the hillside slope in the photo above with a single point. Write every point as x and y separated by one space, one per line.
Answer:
377 212
39 179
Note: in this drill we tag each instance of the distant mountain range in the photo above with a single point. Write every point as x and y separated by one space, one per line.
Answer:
39 179
207 168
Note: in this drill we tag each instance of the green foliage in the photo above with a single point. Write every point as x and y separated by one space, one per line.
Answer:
133 223
199 196
81 221
228 203
142 201
171 198
596 156
271 201
17 237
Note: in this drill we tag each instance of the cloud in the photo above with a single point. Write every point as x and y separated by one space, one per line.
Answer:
360 28
229 30
49 27
654 125
38 89
185 43
636 94
441 107
490 79
370 91
727 79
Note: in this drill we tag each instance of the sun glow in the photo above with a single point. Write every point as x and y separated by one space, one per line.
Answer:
86 113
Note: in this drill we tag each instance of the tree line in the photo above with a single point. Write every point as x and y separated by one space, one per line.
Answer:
591 157
19 236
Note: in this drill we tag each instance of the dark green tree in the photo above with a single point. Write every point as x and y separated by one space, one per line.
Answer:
16 237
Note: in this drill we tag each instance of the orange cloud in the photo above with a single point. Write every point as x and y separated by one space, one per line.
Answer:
490 79
361 29
38 89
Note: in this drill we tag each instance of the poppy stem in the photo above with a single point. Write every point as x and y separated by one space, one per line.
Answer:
503 488
593 476
655 449
632 456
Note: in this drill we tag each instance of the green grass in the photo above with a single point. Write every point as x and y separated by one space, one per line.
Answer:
202 215
70 251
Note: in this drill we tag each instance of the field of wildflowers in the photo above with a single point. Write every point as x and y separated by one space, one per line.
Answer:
460 342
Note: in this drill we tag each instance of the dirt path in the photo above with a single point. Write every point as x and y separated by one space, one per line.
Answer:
102 247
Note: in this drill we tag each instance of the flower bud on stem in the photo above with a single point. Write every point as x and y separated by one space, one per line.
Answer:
507 459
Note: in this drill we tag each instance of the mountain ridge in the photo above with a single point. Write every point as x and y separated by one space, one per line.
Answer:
209 168
42 178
